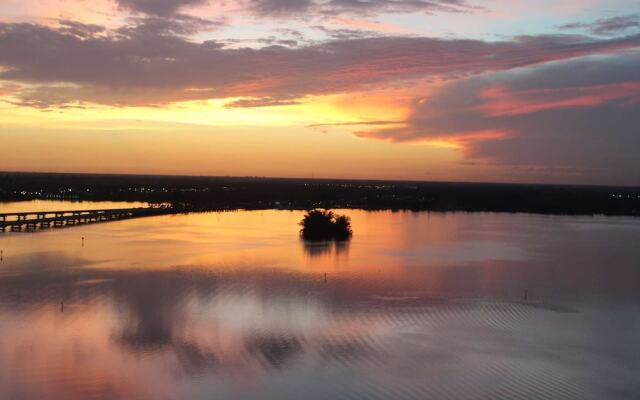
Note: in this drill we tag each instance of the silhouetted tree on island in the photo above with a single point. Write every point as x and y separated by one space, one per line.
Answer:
325 225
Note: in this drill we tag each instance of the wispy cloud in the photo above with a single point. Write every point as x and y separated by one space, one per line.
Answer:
262 102
607 26
288 8
359 123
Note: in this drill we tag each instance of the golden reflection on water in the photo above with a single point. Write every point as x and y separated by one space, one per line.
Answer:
57 205
234 305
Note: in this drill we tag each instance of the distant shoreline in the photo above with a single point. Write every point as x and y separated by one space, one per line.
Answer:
102 175
187 194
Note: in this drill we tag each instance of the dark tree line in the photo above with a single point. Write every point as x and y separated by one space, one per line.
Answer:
220 193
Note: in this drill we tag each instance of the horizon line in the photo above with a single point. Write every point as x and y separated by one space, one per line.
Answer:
4 172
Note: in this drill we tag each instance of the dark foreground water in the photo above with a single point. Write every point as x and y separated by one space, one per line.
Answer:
235 306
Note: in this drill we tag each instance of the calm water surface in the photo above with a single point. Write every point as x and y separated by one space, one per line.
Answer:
234 306
52 205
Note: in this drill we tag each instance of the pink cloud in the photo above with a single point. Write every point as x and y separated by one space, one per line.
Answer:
501 101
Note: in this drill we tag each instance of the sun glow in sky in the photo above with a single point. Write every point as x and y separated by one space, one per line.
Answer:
526 91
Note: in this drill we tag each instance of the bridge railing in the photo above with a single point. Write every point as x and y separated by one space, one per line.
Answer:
20 216
45 219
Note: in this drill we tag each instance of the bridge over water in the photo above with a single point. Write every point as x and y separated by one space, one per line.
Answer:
30 221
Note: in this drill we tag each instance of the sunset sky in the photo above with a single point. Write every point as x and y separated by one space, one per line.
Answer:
463 90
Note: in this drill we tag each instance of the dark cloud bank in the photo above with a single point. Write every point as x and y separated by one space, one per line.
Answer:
292 8
578 120
149 62
157 7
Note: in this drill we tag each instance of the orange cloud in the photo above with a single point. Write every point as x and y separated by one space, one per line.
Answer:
461 141
370 25
7 89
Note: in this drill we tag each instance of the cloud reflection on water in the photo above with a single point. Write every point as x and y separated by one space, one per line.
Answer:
191 321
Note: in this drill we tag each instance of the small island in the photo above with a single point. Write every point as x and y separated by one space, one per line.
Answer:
320 225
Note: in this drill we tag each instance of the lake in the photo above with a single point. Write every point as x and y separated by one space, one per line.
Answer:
233 305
